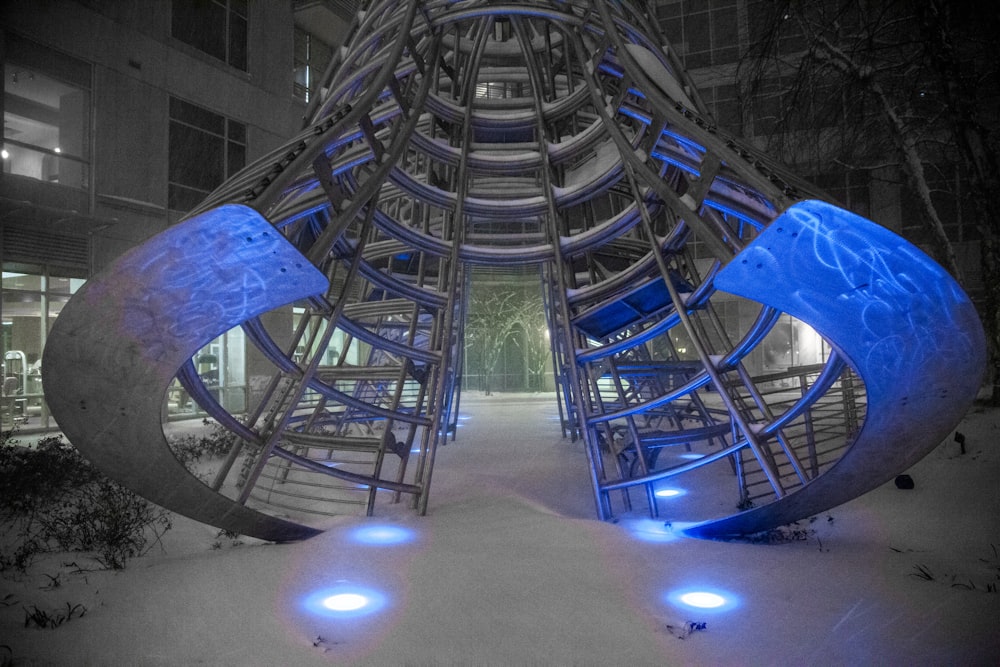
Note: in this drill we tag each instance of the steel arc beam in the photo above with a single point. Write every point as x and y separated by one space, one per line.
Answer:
118 344
899 320
532 139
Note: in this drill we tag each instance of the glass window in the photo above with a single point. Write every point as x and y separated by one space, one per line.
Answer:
205 148
312 56
64 285
46 115
14 279
725 31
217 27
33 296
222 369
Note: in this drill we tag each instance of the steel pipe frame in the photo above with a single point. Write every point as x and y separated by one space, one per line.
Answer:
384 167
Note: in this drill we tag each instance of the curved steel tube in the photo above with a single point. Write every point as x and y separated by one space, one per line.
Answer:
540 132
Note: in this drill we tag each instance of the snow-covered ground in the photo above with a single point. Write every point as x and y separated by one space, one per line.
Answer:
509 568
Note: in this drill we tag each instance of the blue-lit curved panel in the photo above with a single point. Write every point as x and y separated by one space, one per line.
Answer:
901 322
120 341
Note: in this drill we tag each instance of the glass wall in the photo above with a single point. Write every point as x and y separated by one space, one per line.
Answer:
792 343
221 365
312 56
33 296
46 115
205 148
355 354
216 27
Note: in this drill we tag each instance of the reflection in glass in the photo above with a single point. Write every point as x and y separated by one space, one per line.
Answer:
46 127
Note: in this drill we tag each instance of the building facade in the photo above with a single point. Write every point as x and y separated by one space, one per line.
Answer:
118 118
712 36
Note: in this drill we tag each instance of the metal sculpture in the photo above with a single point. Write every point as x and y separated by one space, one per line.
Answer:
556 134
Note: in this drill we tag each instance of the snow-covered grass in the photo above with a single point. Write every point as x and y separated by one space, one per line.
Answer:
510 568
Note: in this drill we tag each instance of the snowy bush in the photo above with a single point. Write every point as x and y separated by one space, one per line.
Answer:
191 449
52 499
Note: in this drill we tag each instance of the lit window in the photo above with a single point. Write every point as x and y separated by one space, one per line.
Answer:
205 149
33 296
312 56
46 115
217 27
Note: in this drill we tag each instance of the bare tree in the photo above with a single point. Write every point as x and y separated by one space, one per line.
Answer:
492 319
896 89
534 344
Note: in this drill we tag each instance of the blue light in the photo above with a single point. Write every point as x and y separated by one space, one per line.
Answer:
691 456
712 203
704 599
651 530
381 535
669 492
344 600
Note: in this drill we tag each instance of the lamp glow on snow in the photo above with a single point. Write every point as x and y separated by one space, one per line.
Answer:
651 530
669 492
705 599
345 600
381 535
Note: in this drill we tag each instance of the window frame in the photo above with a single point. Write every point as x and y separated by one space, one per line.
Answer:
196 13
313 68
30 58
233 135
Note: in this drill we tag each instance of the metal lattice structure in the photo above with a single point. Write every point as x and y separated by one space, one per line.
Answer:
562 135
